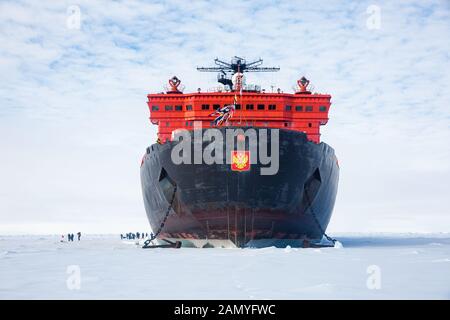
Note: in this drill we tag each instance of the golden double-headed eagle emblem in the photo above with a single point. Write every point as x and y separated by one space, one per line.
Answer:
240 160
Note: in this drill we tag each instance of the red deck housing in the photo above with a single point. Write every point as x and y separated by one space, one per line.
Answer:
297 111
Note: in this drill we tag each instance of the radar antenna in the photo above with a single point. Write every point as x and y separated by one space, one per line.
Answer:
237 65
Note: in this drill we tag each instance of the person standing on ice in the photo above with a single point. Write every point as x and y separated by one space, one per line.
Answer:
79 235
137 235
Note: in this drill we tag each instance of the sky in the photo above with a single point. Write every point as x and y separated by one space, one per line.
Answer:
74 125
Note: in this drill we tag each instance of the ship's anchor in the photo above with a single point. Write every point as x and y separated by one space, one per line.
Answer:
170 244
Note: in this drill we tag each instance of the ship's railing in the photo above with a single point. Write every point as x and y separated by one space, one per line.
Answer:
217 89
252 87
247 87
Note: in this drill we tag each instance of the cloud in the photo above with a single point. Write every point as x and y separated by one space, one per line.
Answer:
72 102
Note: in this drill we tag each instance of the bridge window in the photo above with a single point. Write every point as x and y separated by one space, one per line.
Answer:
260 107
309 108
310 125
287 108
249 107
323 109
178 108
299 108
238 107
216 106
205 106
167 124
168 108
155 108
286 124
189 107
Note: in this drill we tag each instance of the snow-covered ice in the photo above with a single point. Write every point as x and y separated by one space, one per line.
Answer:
378 266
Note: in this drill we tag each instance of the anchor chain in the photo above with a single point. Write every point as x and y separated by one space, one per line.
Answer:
317 220
153 236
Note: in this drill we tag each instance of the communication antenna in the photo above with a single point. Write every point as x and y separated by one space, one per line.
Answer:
226 70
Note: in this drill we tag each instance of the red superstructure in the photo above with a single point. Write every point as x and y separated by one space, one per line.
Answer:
300 111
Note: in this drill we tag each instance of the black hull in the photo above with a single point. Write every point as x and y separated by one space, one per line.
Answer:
215 206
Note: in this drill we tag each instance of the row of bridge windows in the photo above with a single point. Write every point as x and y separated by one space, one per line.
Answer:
247 107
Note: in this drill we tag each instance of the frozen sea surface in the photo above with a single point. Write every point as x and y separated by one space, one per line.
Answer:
379 266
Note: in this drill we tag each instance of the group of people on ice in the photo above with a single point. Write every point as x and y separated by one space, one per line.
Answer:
71 237
132 236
